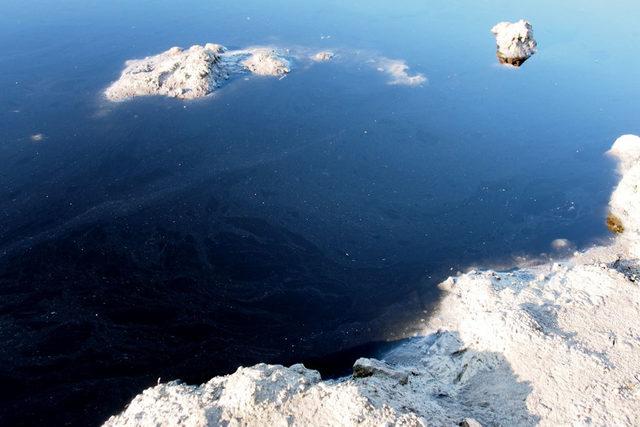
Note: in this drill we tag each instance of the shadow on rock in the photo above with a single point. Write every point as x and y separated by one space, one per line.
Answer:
440 371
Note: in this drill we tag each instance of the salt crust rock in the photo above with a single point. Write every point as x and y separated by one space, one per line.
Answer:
198 71
266 62
323 56
556 344
194 72
470 422
625 201
368 367
561 245
515 42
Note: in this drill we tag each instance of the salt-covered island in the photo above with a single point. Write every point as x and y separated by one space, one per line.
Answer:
515 42
195 72
554 344
200 70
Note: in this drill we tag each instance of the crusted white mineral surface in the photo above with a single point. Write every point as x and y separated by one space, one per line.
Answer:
194 72
556 344
266 62
199 70
398 72
625 201
323 56
515 41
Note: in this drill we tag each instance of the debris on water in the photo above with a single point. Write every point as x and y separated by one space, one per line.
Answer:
398 72
38 137
323 56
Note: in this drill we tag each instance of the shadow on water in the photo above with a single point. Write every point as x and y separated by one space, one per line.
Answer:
98 313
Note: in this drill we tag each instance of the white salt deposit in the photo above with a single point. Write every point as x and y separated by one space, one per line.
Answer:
625 201
323 56
515 41
187 74
266 62
561 245
398 72
556 344
194 72
200 70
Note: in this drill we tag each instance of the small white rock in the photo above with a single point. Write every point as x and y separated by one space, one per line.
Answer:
515 42
323 56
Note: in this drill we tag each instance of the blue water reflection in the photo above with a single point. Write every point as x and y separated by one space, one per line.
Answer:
280 220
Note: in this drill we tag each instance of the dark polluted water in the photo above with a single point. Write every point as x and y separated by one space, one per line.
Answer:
303 219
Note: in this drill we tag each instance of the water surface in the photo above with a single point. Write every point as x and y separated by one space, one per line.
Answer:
281 220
